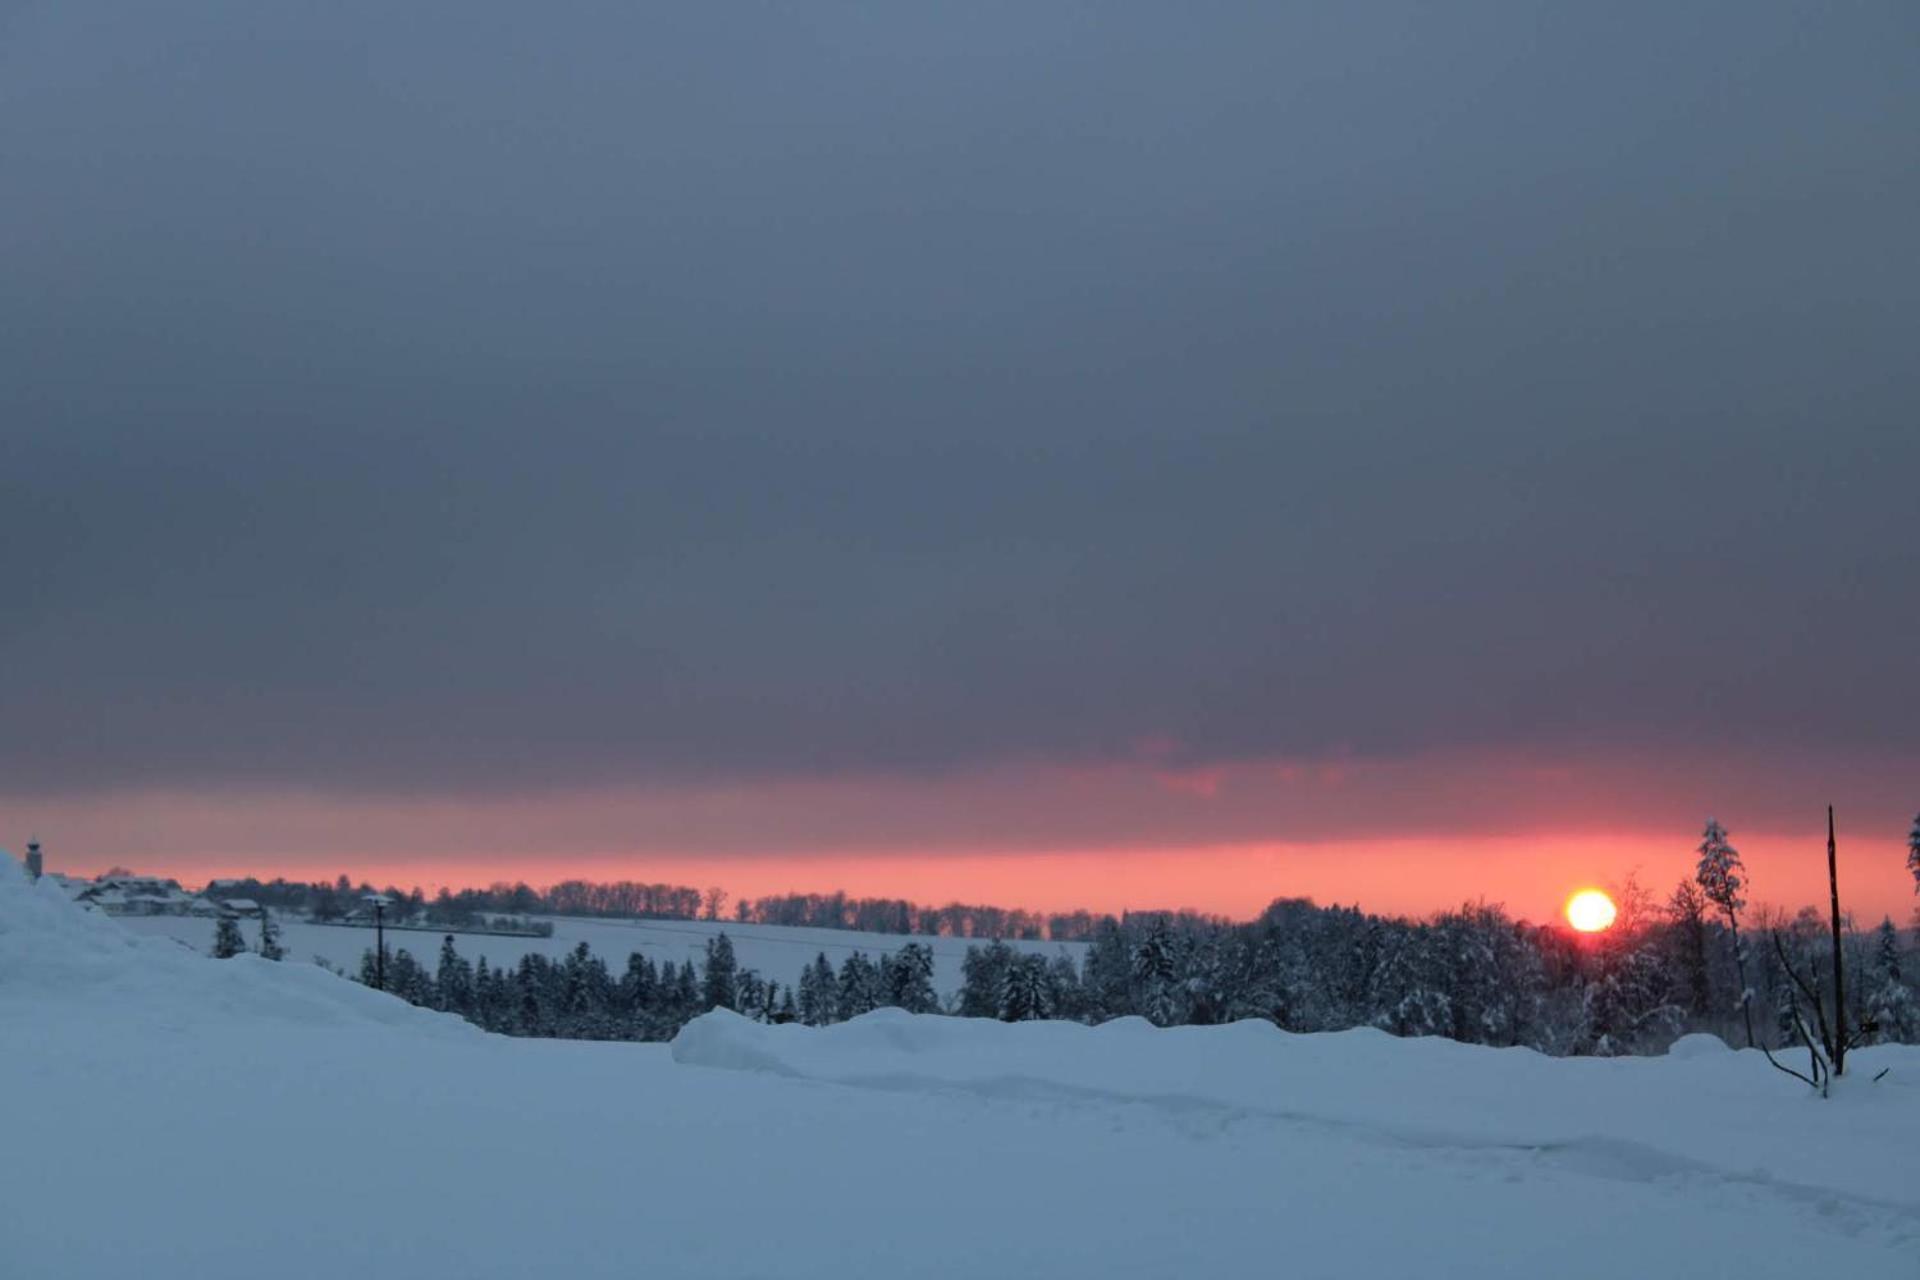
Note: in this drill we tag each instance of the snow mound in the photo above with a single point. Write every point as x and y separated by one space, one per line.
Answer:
56 955
1700 1044
1704 1109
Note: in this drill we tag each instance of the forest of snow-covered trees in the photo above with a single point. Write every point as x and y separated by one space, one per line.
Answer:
1668 966
1473 975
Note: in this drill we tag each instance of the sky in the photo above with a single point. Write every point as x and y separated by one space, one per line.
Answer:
1106 455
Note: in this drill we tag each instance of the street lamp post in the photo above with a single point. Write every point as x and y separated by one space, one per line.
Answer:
379 902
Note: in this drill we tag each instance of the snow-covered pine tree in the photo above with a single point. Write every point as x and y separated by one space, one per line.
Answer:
984 979
1156 975
1410 988
1107 973
1720 872
751 990
686 991
407 979
453 980
270 948
1721 876
1065 996
483 1004
908 976
637 985
227 941
718 988
587 996
1891 1007
1629 1004
1024 998
529 1016
858 990
818 1000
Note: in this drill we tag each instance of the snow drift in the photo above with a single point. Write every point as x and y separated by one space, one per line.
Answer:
1705 1108
170 1116
60 957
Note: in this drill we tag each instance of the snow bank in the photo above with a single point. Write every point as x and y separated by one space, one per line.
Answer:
1700 1044
88 964
1726 1113
328 1131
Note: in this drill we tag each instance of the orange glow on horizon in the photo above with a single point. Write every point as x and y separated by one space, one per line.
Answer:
1526 874
1591 911
1042 840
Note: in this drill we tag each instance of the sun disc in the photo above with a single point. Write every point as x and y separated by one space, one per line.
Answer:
1590 911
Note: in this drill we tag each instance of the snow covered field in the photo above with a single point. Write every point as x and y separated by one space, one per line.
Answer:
163 1115
778 952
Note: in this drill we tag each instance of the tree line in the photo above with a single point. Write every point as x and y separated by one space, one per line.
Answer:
1668 966
579 996
955 920
326 901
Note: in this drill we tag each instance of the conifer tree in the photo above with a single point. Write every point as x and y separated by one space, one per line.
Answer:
483 1011
753 994
1024 996
1107 973
1722 876
1156 975
718 984
984 979
686 992
270 948
819 1003
536 997
407 979
227 941
908 977
858 990
1064 994
638 987
454 980
529 1020
1891 1007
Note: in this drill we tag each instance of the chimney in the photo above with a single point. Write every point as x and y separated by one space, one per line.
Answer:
33 859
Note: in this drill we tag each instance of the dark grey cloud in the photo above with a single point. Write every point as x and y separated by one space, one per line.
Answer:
477 395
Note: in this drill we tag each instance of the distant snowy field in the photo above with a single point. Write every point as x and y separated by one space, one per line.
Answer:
167 1116
777 952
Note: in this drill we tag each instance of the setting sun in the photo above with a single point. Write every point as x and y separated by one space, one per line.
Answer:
1590 911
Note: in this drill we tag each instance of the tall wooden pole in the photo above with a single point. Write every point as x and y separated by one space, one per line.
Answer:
1839 979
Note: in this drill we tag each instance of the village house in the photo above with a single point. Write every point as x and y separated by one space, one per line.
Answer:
137 896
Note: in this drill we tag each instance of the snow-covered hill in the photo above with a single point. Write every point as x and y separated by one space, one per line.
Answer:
779 952
163 1115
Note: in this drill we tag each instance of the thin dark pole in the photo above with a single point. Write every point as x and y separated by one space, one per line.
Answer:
1839 979
379 947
